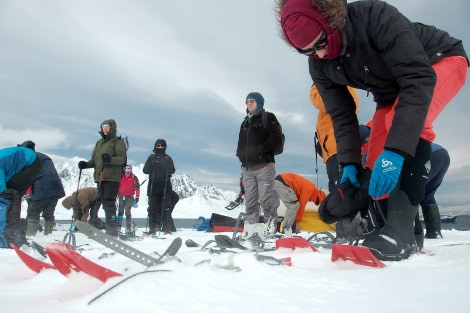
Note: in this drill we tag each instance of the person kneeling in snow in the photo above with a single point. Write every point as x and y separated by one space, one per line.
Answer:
295 191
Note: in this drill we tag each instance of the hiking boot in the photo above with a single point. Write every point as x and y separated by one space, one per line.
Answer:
419 241
48 227
396 240
432 221
32 227
349 229
250 230
270 228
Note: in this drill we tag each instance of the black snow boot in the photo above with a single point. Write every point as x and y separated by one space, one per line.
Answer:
432 221
419 233
111 224
396 240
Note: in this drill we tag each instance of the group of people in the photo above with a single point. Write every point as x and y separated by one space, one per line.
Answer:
29 175
115 182
412 70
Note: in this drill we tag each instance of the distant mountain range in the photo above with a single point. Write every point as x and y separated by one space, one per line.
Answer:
195 200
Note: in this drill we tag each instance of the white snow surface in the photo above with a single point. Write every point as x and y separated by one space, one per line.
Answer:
433 282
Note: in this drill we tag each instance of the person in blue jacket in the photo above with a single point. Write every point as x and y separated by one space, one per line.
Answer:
19 166
46 191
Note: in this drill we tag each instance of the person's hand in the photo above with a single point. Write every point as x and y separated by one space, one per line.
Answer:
136 200
385 174
297 227
350 173
106 158
82 165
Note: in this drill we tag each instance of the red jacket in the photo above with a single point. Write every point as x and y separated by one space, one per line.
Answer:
129 185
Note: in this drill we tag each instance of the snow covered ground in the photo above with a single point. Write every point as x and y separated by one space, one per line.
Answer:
434 282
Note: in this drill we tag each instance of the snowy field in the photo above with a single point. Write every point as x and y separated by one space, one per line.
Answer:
433 282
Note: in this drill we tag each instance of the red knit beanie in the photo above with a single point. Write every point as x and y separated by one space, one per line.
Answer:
301 30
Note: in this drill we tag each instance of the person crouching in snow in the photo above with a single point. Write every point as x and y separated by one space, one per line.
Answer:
295 191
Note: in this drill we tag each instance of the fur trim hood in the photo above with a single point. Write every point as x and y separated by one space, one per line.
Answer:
334 11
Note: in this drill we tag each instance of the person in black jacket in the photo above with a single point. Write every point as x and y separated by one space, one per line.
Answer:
255 152
412 70
46 191
159 166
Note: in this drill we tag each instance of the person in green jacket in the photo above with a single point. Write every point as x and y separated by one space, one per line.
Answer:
107 159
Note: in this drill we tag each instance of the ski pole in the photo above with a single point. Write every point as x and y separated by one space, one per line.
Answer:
70 236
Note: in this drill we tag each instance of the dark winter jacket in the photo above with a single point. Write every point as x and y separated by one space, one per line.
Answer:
113 146
47 184
389 56
159 166
12 161
256 143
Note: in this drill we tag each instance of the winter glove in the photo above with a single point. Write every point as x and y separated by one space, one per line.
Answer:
136 200
350 173
106 158
387 169
82 165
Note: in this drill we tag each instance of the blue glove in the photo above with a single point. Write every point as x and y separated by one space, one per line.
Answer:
387 169
350 173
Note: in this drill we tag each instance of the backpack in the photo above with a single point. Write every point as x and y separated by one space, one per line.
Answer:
280 147
126 144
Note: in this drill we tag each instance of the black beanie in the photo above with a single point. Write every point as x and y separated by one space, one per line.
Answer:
28 144
258 98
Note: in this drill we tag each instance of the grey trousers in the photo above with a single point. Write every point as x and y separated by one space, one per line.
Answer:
288 197
125 206
259 186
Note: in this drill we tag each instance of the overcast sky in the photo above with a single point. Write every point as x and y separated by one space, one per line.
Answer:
180 70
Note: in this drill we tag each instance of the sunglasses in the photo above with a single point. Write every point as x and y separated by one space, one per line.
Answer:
321 44
250 101
104 126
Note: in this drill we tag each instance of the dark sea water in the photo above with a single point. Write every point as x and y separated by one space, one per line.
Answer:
461 223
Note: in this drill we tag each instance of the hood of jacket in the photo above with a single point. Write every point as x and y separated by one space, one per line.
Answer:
113 129
159 142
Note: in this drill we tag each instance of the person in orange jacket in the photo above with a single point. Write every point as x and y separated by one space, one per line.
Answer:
295 191
326 145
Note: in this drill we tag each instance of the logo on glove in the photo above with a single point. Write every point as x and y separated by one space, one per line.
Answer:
388 166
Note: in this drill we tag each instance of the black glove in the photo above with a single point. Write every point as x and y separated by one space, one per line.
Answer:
82 165
106 158
136 200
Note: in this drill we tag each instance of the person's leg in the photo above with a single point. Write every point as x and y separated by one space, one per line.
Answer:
251 196
396 240
451 73
48 215
108 192
440 162
33 217
288 197
127 209
122 203
265 179
332 170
